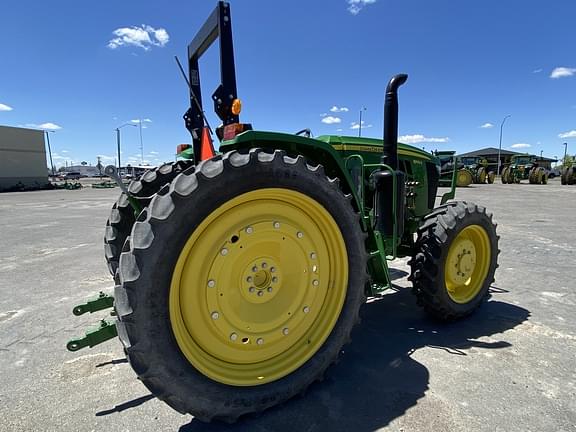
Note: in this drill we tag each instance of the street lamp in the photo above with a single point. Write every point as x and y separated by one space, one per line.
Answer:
118 141
360 124
49 149
500 145
541 151
565 150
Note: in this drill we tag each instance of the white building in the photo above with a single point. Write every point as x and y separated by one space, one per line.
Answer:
22 158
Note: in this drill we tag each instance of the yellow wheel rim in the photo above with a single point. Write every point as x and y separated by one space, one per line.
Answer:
467 264
258 287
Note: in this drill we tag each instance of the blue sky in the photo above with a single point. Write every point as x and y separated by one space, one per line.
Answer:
87 67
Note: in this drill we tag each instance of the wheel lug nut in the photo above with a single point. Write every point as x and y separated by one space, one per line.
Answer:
274 279
315 282
306 309
249 230
249 279
313 255
254 269
285 331
299 234
259 341
233 336
269 289
211 283
264 265
272 269
260 293
224 251
251 289
215 315
276 225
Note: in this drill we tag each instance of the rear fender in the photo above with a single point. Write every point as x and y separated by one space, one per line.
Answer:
313 150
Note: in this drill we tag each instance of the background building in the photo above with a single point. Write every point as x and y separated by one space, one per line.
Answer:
22 158
491 155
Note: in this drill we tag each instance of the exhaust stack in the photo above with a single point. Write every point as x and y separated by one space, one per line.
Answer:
390 146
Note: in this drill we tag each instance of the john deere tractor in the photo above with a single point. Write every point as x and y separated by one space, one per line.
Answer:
524 167
479 168
568 176
240 274
451 166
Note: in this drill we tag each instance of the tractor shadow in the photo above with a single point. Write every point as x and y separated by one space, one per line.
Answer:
377 379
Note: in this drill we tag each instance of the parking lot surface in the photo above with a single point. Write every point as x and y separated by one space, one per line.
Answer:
509 367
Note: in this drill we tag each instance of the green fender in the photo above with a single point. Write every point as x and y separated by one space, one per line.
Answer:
312 149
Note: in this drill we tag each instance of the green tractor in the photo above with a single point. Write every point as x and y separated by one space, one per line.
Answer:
240 274
568 176
479 169
524 167
451 168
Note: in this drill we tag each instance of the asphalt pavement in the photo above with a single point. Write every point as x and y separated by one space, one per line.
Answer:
509 367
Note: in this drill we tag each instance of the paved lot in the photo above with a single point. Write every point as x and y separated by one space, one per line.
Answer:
510 367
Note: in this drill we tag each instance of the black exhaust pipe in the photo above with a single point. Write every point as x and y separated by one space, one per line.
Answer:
389 214
390 147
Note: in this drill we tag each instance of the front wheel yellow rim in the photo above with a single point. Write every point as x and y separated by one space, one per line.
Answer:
467 264
258 287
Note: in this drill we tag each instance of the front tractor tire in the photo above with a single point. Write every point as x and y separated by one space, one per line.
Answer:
240 284
455 260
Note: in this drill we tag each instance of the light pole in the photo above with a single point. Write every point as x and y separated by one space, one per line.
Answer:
541 151
565 152
118 141
49 149
360 124
141 143
500 145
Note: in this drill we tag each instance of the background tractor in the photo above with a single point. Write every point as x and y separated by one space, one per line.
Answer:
451 168
524 167
479 168
240 274
568 176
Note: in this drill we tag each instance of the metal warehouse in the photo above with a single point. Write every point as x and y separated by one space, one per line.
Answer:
22 158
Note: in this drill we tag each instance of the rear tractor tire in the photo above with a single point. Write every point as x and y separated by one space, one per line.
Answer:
455 260
464 178
122 215
491 177
481 176
504 176
240 284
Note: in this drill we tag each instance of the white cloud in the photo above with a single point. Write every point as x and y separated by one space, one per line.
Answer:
154 153
355 6
64 151
339 130
4 107
562 72
143 37
569 134
146 120
336 109
45 126
323 114
487 126
331 120
520 146
416 139
537 70
356 125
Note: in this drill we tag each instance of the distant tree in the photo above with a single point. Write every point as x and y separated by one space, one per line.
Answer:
83 163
